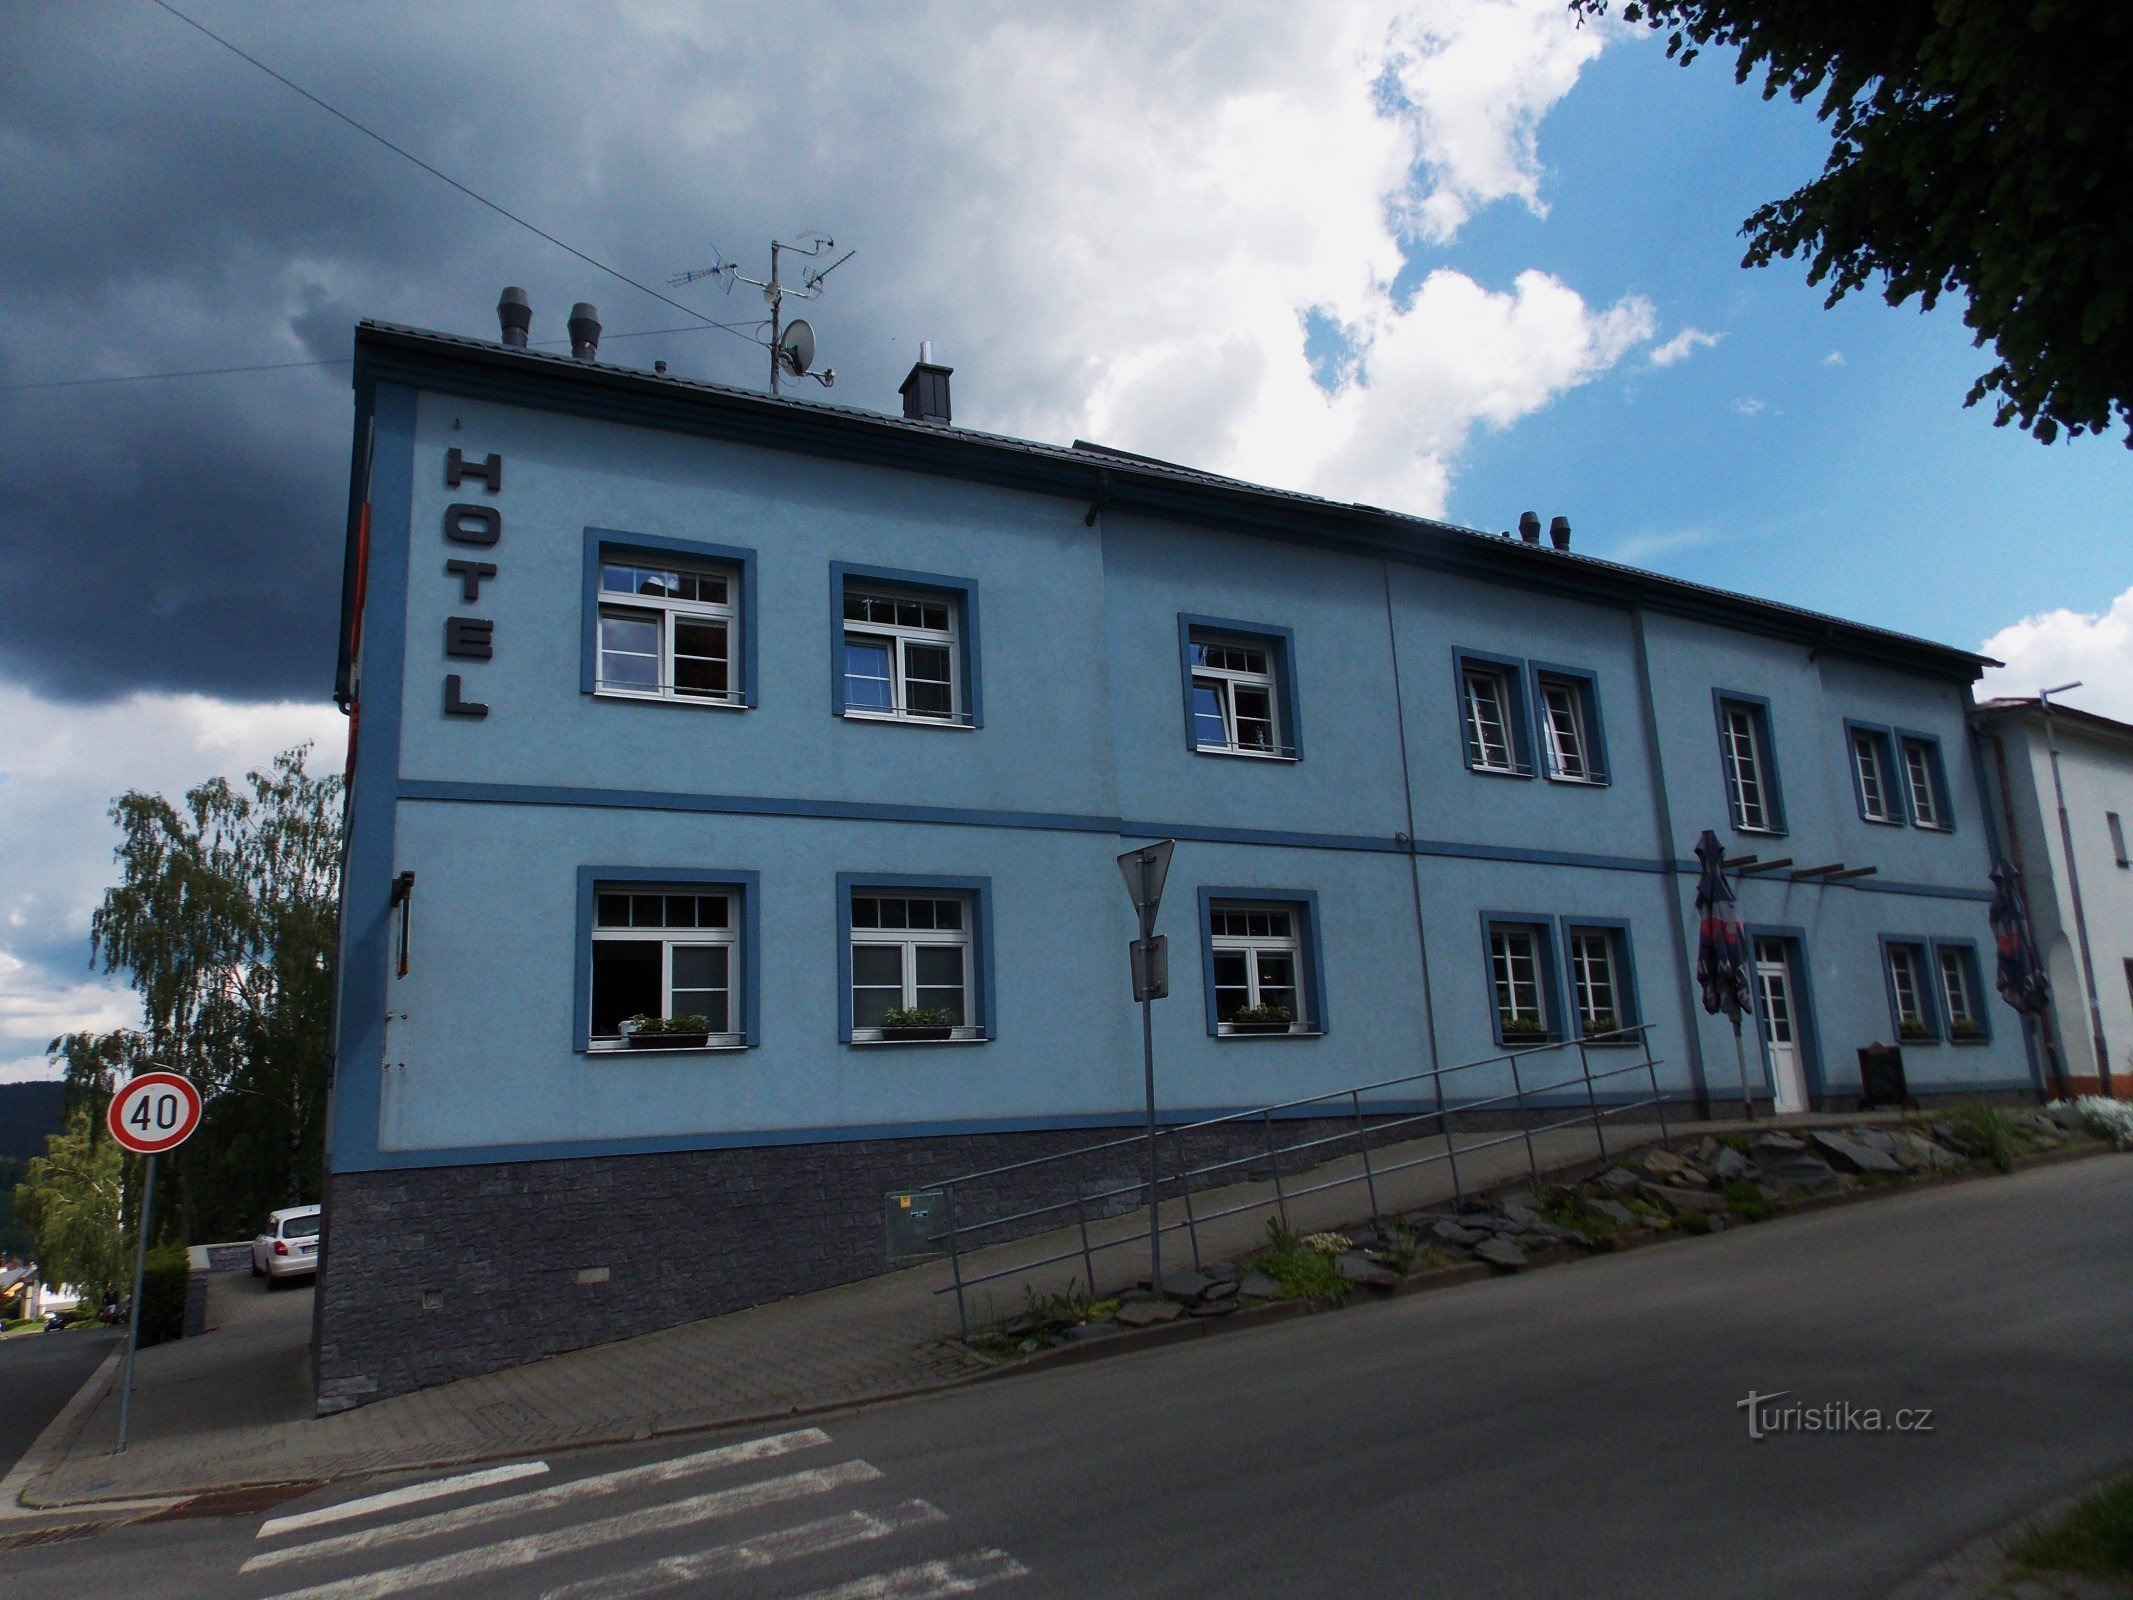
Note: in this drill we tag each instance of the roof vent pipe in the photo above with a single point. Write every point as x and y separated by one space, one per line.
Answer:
1529 526
1559 532
514 314
585 331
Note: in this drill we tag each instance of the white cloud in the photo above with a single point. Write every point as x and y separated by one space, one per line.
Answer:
1639 549
60 767
1683 345
2055 647
1834 359
1748 405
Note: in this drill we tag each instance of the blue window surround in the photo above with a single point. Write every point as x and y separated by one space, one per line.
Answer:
1806 1036
1982 1012
1629 1004
1311 971
658 547
1938 773
1921 949
1280 646
1587 685
1891 773
1542 926
1512 669
962 592
1766 748
747 886
978 892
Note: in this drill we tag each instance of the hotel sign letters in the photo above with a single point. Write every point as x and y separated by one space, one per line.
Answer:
470 523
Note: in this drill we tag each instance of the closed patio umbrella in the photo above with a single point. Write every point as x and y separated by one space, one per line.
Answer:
1722 951
2020 975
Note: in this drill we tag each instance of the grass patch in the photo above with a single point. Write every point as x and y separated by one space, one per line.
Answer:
1985 1133
1304 1272
1693 1222
2095 1538
1748 1201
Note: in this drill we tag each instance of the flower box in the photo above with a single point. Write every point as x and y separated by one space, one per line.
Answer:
667 1041
918 1030
1259 1027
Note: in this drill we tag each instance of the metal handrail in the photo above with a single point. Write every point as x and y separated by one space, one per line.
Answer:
1363 1135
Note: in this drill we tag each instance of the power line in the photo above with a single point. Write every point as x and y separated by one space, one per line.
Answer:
445 177
336 361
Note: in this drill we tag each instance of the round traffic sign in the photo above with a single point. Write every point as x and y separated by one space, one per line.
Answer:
154 1112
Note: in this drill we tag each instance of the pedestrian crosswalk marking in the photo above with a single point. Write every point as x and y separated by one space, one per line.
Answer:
746 1555
929 1580
483 1560
393 1499
537 1500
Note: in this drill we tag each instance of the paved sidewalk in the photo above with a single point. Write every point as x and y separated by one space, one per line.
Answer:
232 1408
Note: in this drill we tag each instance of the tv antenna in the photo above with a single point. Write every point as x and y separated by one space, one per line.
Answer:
791 345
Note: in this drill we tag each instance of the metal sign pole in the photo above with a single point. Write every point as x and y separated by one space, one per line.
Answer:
133 1329
1144 871
1155 1218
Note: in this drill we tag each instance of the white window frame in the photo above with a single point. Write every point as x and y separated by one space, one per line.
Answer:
1569 749
735 1034
670 612
1224 681
1919 757
1906 985
1747 777
1505 983
1596 952
1958 995
1870 763
1478 757
899 637
1252 945
908 942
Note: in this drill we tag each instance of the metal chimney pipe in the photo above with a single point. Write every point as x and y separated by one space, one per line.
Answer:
514 314
1559 532
1529 526
585 331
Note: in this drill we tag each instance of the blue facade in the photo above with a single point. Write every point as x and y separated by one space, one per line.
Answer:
1077 584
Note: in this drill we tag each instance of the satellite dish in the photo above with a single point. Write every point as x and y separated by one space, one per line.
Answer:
796 350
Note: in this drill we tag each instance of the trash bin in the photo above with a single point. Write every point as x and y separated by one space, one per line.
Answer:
1881 1080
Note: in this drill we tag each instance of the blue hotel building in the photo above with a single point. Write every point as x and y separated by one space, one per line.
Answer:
824 727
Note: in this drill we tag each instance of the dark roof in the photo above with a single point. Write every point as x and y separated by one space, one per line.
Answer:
2029 708
1099 475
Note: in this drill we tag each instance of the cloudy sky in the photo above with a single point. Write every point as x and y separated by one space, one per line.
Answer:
1459 257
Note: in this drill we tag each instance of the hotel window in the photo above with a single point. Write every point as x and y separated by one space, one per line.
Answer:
1907 993
1234 697
1493 711
666 631
1519 983
1599 983
1959 992
912 966
1570 726
1925 785
664 966
900 653
1257 959
1872 776
1751 773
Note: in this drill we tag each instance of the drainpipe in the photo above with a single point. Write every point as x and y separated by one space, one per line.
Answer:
2073 884
1414 856
1684 959
2051 1064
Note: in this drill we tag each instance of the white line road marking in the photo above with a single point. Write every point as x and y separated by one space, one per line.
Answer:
392 1499
506 1554
746 1555
518 1505
929 1580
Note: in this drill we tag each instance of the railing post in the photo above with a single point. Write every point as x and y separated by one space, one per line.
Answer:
1651 1069
1451 1150
1370 1181
1525 1121
1281 1200
1081 1219
955 1262
1192 1227
1599 1130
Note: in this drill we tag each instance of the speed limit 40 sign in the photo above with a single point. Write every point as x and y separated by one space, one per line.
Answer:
154 1112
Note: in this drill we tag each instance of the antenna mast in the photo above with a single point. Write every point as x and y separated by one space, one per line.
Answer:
792 349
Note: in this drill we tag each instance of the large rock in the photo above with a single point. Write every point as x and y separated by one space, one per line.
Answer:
1776 1144
1366 1273
1662 1163
1525 1216
1501 1253
1874 1139
1729 1165
1677 1199
1190 1287
1147 1313
1923 1155
1614 1211
1797 1174
1446 1231
1618 1180
1847 1154
1259 1286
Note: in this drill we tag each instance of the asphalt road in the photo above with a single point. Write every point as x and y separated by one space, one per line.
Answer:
1576 1432
39 1373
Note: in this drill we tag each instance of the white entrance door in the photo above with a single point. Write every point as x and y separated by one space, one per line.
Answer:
1780 1025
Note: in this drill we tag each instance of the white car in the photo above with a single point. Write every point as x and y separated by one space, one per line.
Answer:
288 1246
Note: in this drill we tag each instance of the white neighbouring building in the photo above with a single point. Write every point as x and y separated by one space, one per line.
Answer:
2080 903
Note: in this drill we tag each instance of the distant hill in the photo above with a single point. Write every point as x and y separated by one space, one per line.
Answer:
28 1111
